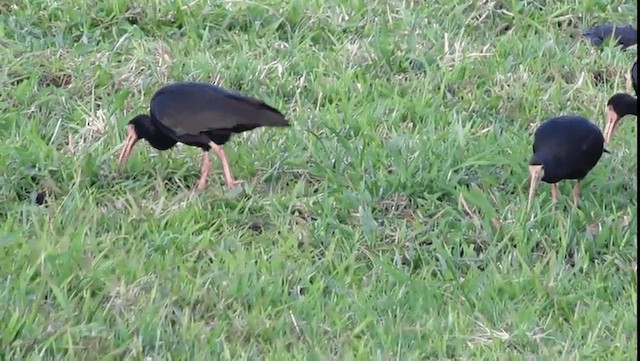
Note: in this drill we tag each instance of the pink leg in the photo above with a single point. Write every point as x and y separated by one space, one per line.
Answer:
554 193
204 171
627 77
576 193
225 165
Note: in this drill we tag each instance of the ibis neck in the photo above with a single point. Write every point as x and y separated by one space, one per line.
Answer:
146 128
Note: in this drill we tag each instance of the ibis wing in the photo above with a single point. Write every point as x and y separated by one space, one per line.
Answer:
592 141
192 108
568 136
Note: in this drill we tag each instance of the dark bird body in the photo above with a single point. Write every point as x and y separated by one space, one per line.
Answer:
200 115
625 35
622 104
564 147
41 198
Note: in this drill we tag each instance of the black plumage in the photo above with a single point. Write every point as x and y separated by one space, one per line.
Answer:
624 35
564 147
621 104
41 198
201 115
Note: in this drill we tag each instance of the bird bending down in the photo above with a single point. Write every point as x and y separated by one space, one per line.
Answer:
621 105
564 147
201 115
624 35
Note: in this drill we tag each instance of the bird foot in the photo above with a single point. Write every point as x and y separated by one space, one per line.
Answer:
233 182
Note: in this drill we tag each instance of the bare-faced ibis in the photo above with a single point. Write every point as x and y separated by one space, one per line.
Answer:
624 35
201 115
621 105
564 147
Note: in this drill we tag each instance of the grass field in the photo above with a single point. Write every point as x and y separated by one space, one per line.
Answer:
389 222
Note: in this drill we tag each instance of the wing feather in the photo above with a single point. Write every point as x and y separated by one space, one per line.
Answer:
192 108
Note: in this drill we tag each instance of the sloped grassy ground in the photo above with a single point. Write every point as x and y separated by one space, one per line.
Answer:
389 222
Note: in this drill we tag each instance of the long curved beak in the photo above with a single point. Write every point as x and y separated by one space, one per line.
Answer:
132 139
612 124
535 172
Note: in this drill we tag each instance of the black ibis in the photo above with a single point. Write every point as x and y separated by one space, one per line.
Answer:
624 35
621 105
201 115
564 147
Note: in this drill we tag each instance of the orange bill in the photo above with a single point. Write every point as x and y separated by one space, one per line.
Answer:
612 124
536 172
132 139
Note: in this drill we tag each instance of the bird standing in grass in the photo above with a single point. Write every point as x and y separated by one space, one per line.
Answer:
564 147
201 115
624 35
621 105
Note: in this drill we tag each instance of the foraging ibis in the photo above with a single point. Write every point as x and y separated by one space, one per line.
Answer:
201 115
564 147
625 35
621 105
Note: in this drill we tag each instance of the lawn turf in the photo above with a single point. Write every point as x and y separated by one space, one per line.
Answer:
388 222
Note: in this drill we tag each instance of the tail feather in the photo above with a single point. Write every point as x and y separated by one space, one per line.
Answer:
270 116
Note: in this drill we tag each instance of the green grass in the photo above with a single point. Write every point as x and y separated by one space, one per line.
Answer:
389 222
